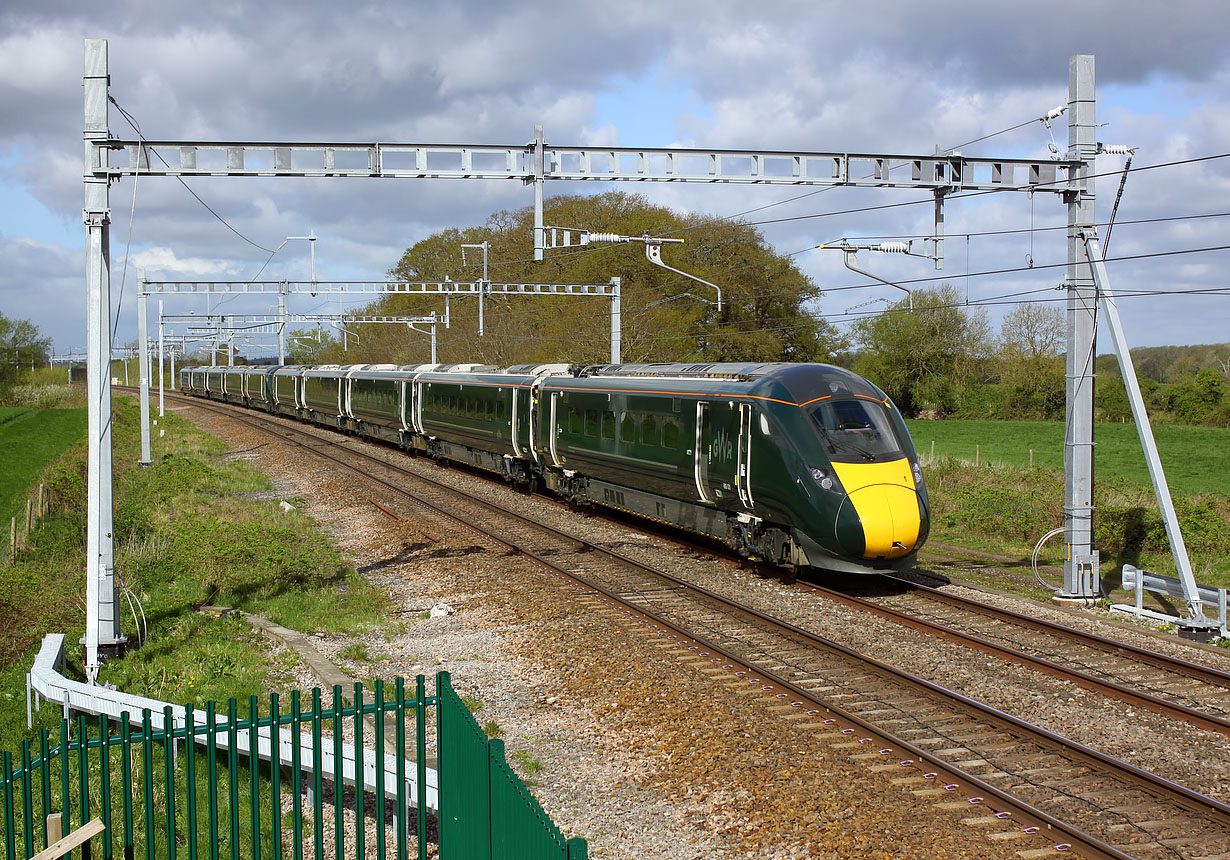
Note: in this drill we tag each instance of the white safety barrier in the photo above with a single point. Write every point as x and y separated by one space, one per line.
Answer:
46 680
1139 581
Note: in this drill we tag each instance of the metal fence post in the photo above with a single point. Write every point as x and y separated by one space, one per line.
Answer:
317 800
190 777
211 773
254 786
126 776
10 841
420 761
147 779
296 774
275 774
359 756
339 829
44 755
168 774
104 771
65 809
27 801
400 734
232 767
381 838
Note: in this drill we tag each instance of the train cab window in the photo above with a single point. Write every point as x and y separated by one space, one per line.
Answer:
627 429
608 425
591 422
649 430
856 431
670 433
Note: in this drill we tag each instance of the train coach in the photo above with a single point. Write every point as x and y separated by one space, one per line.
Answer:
794 464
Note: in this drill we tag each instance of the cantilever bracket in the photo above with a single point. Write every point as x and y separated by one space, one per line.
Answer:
653 253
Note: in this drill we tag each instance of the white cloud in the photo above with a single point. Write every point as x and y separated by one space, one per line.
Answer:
787 75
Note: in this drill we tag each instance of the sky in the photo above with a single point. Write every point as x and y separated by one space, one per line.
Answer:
778 75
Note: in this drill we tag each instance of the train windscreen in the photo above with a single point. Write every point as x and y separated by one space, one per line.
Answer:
856 431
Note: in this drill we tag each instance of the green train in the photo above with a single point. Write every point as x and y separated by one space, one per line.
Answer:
797 465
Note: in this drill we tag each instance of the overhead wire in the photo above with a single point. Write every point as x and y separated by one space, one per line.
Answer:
146 145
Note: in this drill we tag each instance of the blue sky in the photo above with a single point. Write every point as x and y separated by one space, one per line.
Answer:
783 75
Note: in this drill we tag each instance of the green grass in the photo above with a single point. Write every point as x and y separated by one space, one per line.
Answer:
1195 459
29 440
1006 509
182 538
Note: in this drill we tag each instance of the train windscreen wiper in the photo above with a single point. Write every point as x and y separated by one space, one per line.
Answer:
834 442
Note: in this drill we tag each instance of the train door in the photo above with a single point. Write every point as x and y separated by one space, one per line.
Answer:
554 427
717 452
514 423
704 433
743 463
535 410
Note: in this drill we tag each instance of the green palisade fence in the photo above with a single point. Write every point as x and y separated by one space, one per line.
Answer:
486 812
201 791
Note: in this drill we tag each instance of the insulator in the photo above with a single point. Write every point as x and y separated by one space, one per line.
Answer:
1117 149
1056 111
606 238
895 247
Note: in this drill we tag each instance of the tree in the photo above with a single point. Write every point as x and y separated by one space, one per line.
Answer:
925 359
1031 361
765 309
20 346
304 346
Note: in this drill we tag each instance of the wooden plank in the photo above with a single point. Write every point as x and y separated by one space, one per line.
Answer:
79 836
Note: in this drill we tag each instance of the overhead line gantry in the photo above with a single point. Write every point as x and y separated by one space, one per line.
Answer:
537 162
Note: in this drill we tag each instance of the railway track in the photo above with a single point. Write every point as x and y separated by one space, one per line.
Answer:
1175 688
942 742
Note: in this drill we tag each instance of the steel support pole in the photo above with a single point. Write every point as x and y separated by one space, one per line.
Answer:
1178 549
143 369
161 353
281 327
102 630
539 179
616 322
1080 572
173 368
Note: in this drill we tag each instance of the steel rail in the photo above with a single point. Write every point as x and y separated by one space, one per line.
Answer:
1082 679
1181 795
1208 674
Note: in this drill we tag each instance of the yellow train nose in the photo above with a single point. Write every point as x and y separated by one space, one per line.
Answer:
886 501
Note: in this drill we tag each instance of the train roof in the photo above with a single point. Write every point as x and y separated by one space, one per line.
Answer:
745 371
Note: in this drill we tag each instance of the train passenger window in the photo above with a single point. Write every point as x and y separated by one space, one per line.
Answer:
608 425
627 429
574 421
591 422
649 430
670 433
452 405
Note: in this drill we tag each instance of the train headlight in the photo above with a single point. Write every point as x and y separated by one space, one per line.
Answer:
823 478
918 481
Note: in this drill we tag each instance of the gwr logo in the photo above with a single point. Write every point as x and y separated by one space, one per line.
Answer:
722 448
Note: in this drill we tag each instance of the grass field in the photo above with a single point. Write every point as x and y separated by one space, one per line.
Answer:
29 440
1196 459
